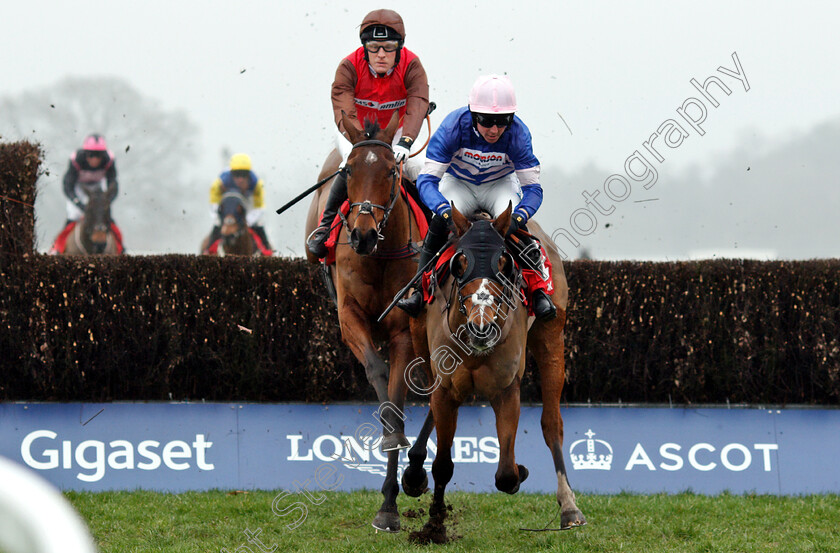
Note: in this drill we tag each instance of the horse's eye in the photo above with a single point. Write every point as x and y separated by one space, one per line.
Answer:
506 266
458 265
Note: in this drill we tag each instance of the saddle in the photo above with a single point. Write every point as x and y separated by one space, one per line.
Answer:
213 248
59 246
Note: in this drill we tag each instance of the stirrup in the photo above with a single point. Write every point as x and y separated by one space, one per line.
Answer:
315 242
413 304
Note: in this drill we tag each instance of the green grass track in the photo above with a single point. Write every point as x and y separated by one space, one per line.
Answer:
213 521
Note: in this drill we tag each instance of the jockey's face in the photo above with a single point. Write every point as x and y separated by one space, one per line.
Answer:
490 134
241 182
94 159
381 61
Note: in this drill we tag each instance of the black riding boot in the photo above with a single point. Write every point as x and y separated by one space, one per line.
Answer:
528 254
435 239
338 193
261 233
215 234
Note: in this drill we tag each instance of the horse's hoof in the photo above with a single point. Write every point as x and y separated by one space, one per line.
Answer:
387 522
572 519
411 489
394 441
523 473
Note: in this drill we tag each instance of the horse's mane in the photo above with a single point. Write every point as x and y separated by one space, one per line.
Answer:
372 128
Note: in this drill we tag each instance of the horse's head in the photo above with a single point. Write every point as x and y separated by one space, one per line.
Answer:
232 212
483 273
97 218
371 182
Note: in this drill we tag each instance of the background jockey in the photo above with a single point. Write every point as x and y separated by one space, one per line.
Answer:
371 83
91 166
240 178
480 158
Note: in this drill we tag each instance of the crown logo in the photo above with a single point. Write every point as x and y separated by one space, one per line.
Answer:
602 460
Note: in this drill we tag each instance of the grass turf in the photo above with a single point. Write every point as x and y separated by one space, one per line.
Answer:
213 521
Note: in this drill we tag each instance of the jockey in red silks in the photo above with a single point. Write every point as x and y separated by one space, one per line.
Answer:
481 158
91 166
378 78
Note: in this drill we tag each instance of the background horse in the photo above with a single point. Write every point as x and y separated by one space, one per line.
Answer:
236 234
477 330
373 261
92 234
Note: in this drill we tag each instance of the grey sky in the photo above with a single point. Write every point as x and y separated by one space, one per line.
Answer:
255 77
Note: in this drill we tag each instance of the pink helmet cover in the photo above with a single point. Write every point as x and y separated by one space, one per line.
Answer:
95 143
492 94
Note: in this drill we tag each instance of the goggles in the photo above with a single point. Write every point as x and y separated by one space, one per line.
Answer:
493 119
373 46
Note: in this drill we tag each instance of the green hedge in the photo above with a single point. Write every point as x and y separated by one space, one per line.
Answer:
188 327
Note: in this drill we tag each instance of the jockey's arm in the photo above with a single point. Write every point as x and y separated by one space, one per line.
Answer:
216 191
71 177
527 168
532 192
344 94
443 145
417 99
258 200
111 179
428 183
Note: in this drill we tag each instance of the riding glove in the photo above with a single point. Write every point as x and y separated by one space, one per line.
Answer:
402 149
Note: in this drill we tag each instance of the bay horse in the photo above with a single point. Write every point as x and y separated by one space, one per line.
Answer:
477 330
92 234
236 238
374 259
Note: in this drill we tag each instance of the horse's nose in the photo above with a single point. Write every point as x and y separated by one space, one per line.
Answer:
477 329
363 242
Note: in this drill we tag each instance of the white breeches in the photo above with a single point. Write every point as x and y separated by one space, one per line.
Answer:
492 197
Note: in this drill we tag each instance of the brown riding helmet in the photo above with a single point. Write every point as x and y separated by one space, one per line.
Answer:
388 18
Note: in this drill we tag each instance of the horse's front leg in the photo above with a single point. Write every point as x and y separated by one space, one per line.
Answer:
415 480
400 349
445 413
506 406
548 352
356 332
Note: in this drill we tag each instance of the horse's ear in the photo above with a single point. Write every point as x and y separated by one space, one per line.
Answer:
389 131
502 222
351 130
461 223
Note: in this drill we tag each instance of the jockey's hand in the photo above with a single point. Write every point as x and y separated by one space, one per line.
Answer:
516 222
78 203
402 149
446 214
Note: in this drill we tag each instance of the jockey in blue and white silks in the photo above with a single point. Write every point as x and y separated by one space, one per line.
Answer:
461 166
481 158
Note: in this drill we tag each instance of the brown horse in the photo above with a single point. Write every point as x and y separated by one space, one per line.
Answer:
92 235
374 260
236 238
477 331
